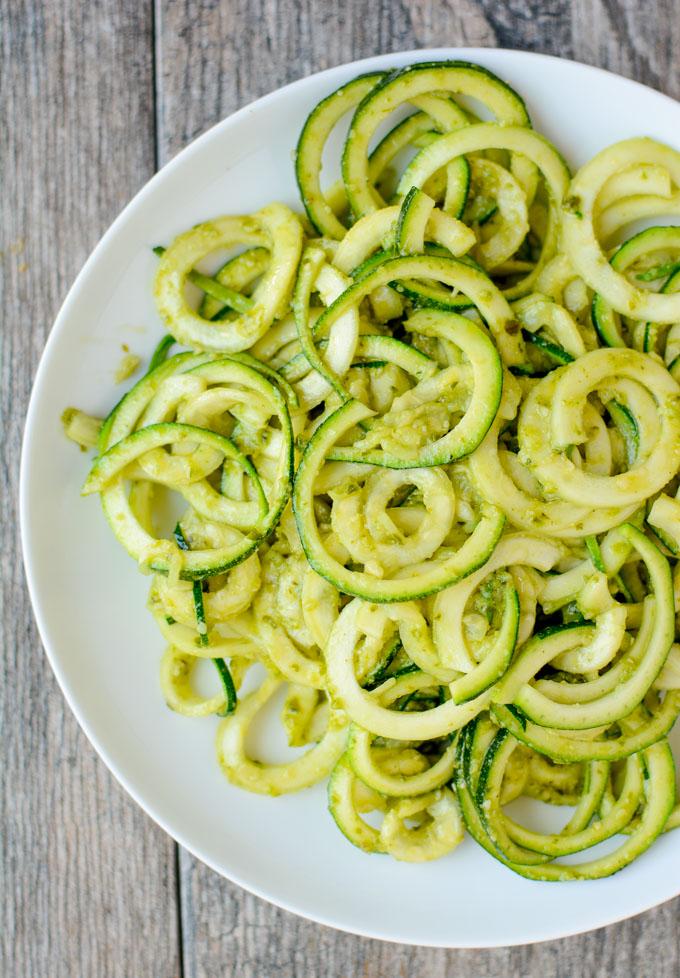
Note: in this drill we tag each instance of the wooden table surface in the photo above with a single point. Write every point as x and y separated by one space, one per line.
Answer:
96 95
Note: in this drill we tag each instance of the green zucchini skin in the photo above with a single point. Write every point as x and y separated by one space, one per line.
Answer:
315 132
456 77
470 400
473 554
659 795
120 444
606 320
415 210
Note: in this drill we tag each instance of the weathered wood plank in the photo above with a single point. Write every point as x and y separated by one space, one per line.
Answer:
235 935
639 41
88 882
214 58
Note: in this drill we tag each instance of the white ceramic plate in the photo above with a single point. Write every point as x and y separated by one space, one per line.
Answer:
89 599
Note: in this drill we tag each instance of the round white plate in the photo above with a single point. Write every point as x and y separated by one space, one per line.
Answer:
89 599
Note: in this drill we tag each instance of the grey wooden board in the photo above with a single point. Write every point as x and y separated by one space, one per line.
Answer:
94 93
88 882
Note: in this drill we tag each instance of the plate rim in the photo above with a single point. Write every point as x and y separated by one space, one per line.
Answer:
367 63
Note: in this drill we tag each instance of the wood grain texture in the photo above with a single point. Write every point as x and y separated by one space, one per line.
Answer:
641 41
212 59
88 882
95 93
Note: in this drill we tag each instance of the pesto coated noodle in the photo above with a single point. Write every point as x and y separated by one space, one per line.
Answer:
425 437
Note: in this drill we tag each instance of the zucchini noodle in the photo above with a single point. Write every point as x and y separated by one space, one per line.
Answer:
410 482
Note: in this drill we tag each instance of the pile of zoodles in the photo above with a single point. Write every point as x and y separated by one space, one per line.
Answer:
426 441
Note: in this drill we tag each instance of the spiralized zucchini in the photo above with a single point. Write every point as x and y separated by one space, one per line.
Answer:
413 480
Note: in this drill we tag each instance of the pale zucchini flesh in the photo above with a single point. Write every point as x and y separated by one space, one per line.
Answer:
413 482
